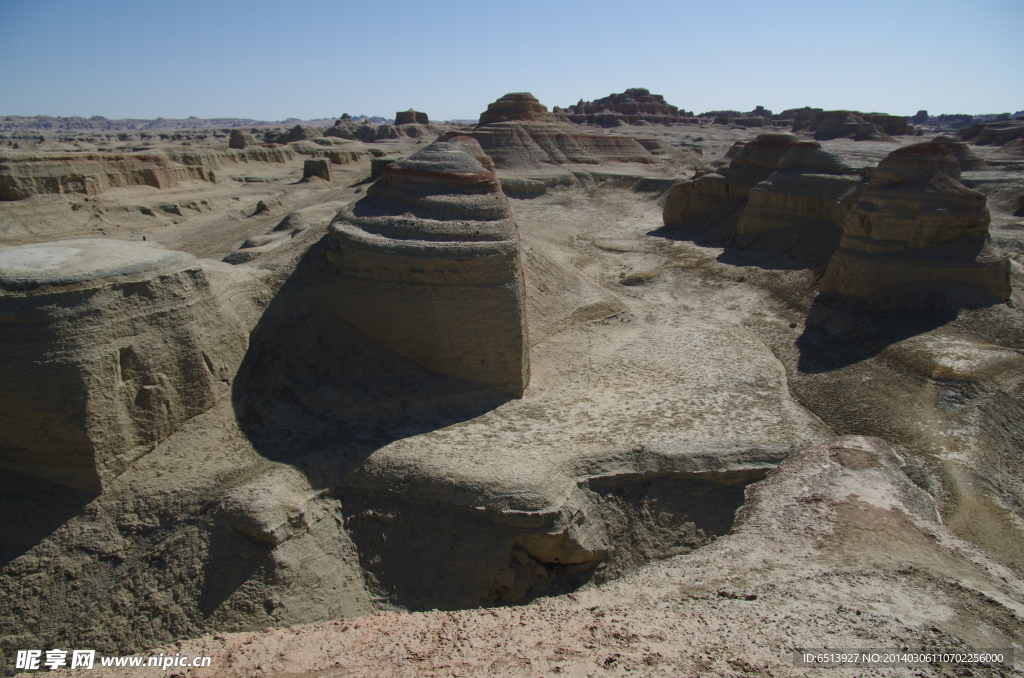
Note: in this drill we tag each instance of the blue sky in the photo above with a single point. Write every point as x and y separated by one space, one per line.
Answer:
311 59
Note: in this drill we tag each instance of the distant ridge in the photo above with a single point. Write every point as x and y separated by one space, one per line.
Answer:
11 123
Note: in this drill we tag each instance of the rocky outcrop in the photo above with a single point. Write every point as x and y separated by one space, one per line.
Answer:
518 133
411 116
916 223
428 264
630 107
993 133
968 159
317 167
779 192
844 125
108 346
240 139
90 173
517 106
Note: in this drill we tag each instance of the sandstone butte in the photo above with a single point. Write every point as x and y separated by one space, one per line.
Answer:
519 133
916 223
779 192
629 107
855 125
428 263
408 124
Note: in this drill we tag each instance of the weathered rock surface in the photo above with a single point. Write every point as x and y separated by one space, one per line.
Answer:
108 346
916 223
629 107
428 264
518 133
775 183
92 173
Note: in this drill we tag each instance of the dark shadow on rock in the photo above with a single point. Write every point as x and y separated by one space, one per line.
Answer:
232 561
841 331
779 249
310 381
32 509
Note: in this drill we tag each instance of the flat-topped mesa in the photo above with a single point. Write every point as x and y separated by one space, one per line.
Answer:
107 347
23 175
411 116
720 194
518 133
428 264
916 223
629 107
855 125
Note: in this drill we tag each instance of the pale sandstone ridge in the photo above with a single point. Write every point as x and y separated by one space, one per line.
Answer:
92 173
428 263
108 346
629 107
519 133
916 223
779 191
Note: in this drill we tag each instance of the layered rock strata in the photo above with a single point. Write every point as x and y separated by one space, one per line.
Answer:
90 173
107 347
916 223
428 264
776 181
629 107
519 133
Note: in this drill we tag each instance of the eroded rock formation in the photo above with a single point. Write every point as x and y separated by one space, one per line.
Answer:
411 116
519 133
108 346
777 184
428 263
968 159
240 139
629 107
89 173
843 124
916 223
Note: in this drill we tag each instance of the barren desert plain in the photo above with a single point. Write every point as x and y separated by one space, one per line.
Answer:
605 389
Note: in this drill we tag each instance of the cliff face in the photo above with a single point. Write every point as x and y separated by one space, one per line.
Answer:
92 173
428 264
133 343
916 223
